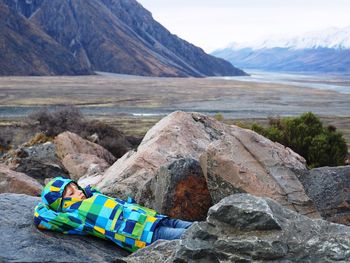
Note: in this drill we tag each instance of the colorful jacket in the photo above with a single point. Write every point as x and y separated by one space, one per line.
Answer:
128 224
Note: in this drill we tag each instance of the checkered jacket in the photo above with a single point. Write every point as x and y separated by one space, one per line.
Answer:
126 223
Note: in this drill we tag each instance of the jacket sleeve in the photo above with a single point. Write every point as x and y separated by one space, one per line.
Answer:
64 222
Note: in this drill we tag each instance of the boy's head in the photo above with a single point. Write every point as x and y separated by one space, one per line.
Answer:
59 188
72 190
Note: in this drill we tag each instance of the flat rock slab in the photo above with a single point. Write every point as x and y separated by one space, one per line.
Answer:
21 241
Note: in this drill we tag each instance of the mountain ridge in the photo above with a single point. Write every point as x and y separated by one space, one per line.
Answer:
316 52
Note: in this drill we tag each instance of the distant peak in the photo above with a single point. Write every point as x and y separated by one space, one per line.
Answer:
333 37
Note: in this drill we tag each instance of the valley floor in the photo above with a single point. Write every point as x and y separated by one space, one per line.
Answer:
134 104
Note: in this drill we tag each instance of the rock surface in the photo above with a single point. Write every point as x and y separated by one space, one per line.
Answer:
178 190
80 164
71 143
329 188
246 228
38 161
21 241
15 182
232 160
242 161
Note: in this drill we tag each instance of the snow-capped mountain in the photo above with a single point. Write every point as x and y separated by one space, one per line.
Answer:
338 38
318 51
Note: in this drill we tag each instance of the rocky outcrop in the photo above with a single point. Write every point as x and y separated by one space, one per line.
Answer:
245 228
38 161
21 241
14 182
329 188
27 50
240 228
232 160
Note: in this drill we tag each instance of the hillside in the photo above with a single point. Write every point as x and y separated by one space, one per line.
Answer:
119 37
26 50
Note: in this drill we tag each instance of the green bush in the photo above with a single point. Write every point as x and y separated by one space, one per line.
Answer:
219 117
306 136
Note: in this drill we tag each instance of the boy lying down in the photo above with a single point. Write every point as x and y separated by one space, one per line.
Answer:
68 208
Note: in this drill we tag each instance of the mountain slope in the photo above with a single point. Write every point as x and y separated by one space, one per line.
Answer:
25 7
320 51
119 36
26 50
159 39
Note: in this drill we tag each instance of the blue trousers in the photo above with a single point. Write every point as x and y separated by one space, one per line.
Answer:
170 229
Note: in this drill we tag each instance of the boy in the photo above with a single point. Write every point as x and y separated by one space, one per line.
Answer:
68 208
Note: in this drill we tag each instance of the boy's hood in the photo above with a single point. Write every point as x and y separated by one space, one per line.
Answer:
51 194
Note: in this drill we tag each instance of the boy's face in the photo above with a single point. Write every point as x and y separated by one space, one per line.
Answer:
72 190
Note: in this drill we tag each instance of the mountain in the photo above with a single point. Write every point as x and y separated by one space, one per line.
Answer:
26 50
319 51
119 36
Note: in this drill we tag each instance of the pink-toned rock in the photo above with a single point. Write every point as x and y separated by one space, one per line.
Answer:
175 136
15 182
232 159
80 164
70 143
243 161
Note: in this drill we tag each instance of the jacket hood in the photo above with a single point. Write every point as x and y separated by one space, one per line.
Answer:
51 194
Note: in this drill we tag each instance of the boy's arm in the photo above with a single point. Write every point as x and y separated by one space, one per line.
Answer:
66 223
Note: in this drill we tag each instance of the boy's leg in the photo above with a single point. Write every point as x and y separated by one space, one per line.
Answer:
175 223
167 233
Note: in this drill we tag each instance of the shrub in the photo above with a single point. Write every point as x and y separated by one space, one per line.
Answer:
219 117
69 118
5 139
306 136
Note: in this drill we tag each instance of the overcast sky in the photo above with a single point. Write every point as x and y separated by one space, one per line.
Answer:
212 24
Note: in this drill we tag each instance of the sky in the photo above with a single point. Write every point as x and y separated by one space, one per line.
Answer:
212 24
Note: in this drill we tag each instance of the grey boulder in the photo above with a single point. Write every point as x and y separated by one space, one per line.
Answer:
245 228
329 189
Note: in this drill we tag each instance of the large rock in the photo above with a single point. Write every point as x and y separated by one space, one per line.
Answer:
242 161
178 190
21 241
245 228
74 150
38 161
232 160
14 182
80 164
329 188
